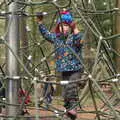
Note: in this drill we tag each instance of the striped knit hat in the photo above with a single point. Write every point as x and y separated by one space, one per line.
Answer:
67 18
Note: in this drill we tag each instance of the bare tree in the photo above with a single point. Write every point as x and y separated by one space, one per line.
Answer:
116 42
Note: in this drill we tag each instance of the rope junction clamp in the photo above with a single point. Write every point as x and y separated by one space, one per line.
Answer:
64 82
13 77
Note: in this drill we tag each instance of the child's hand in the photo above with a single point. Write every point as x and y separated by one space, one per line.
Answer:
76 30
39 18
74 27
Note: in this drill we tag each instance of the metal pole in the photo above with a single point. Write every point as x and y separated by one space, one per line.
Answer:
12 64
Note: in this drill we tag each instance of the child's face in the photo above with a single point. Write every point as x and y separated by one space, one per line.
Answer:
66 28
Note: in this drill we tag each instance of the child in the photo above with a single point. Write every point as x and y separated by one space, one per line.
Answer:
66 37
21 96
48 92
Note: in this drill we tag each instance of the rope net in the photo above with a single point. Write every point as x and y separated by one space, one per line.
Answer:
99 93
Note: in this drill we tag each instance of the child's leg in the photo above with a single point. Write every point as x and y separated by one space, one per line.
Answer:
49 98
71 93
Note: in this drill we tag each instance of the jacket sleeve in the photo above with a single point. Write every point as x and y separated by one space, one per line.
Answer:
77 38
46 34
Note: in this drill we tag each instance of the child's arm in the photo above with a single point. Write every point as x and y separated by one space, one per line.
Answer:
44 31
46 34
78 36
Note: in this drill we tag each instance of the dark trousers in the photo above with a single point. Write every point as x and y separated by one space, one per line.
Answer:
70 91
48 92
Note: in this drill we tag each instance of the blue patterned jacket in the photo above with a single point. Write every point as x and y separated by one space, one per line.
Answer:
66 51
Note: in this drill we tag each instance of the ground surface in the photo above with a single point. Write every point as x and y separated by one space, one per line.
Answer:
81 116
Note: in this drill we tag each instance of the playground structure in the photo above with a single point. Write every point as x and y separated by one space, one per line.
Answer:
102 72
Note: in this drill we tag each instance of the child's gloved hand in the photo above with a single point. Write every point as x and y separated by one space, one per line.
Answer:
39 17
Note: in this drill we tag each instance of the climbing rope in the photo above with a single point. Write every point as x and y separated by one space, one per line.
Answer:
102 54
